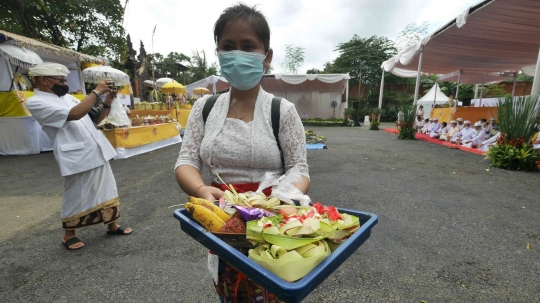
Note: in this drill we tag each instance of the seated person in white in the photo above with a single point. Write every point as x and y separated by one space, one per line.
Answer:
427 126
419 123
489 127
478 137
535 140
444 129
451 130
463 133
460 123
435 128
489 142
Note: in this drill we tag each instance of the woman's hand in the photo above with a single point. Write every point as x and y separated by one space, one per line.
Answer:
210 193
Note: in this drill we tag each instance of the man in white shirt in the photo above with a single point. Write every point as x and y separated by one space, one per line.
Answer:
427 126
451 130
419 123
81 151
460 123
478 136
489 142
489 127
463 134
435 127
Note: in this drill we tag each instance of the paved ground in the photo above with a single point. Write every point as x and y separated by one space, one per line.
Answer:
449 230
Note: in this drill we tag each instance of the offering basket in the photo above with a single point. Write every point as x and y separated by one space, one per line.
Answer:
289 292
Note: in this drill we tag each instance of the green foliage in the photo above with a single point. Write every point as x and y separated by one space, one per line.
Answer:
524 78
199 67
361 58
374 118
92 27
323 122
374 124
313 71
169 65
312 138
294 57
494 91
388 115
511 157
517 118
155 96
407 130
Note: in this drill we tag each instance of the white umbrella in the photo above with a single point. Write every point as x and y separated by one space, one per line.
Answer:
97 73
19 56
161 81
148 83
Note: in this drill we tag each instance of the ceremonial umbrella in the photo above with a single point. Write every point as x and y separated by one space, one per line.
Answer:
19 56
201 91
98 73
161 81
173 88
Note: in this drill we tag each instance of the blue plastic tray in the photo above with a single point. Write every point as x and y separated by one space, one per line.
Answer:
289 292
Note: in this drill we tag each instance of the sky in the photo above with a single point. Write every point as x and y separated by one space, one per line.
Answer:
318 26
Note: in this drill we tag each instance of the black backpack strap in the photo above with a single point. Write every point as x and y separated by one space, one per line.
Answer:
276 103
208 107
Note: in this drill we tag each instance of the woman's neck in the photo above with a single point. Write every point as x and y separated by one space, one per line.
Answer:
244 96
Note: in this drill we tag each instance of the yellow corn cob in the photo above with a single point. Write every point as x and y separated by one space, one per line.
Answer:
211 206
205 217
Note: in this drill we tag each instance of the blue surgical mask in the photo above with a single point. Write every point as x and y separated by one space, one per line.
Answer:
242 69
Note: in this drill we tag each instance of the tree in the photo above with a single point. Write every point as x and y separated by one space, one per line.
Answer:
294 57
313 71
92 27
362 58
410 35
199 67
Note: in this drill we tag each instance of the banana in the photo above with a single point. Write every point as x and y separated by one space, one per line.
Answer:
211 206
208 219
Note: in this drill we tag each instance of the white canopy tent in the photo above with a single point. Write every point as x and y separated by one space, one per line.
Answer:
48 53
490 41
432 97
213 83
312 94
22 135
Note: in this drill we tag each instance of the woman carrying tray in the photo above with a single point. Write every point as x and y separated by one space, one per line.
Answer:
236 140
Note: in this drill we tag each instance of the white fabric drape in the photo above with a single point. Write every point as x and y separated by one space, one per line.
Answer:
213 83
22 136
491 38
297 79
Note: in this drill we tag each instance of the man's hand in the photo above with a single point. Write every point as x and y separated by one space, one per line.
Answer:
110 97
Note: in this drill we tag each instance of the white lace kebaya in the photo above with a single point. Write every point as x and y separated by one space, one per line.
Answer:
243 152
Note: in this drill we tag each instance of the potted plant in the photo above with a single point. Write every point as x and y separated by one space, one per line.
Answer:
348 114
517 118
375 117
407 130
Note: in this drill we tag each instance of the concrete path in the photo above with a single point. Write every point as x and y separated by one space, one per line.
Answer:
451 229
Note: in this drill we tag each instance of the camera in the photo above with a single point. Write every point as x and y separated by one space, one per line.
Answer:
113 85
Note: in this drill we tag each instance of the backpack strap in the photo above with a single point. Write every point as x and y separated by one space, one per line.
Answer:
208 107
276 103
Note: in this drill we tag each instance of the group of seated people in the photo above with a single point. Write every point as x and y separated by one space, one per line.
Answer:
481 135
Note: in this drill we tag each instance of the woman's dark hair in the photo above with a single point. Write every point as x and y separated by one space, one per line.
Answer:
444 124
254 18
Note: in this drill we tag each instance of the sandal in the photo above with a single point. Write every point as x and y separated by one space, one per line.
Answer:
119 231
72 241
